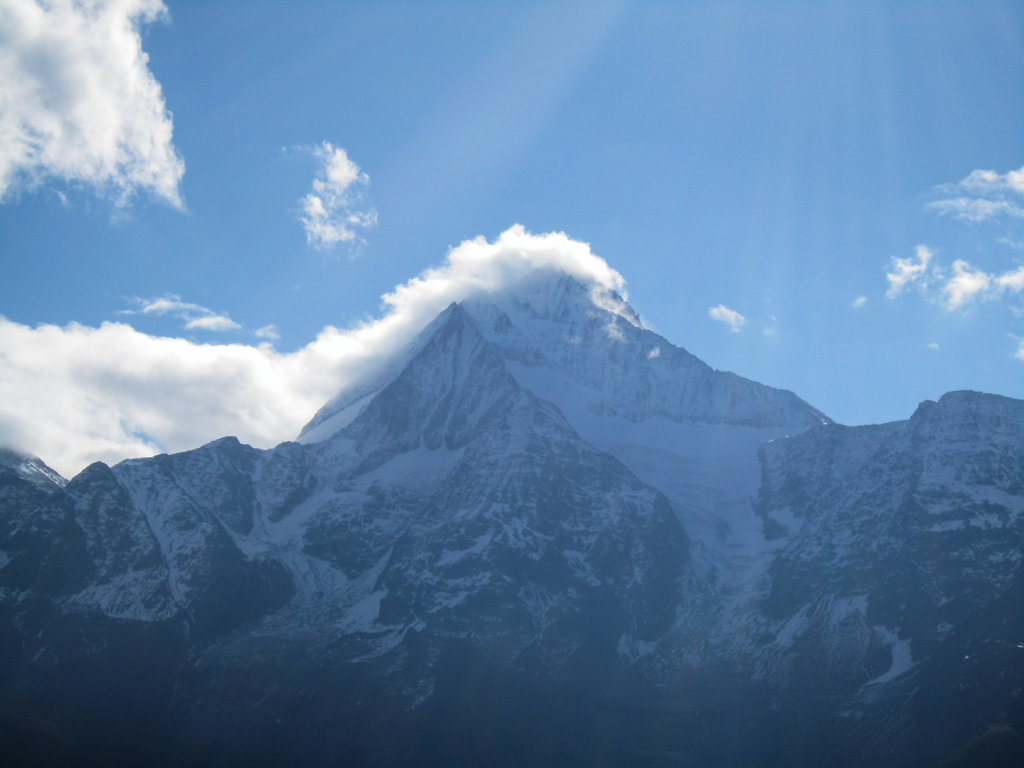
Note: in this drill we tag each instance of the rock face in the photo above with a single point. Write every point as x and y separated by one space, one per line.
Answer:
898 571
538 534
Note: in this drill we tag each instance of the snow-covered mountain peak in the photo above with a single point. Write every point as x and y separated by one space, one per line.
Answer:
555 295
544 302
33 469
345 406
441 396
578 344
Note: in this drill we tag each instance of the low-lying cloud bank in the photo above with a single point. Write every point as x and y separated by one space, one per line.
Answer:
75 394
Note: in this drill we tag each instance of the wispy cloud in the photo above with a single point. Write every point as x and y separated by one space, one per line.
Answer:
981 196
1011 281
958 285
78 102
730 317
269 332
933 346
907 271
859 302
213 323
195 316
337 208
76 394
975 209
170 304
967 284
1020 349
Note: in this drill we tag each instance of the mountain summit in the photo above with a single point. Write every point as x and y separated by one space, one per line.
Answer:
565 341
537 533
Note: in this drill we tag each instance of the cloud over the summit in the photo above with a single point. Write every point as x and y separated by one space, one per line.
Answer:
337 208
77 394
78 102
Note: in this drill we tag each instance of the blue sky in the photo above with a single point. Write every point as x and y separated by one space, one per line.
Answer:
823 197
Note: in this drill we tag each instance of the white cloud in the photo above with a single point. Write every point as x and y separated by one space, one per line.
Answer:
933 346
77 394
1011 281
195 316
478 266
78 102
859 302
989 182
965 284
959 287
654 353
730 317
170 304
906 271
337 207
981 196
1020 350
268 332
975 209
213 323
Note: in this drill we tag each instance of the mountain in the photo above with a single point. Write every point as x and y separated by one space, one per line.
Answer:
31 468
536 533
898 570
